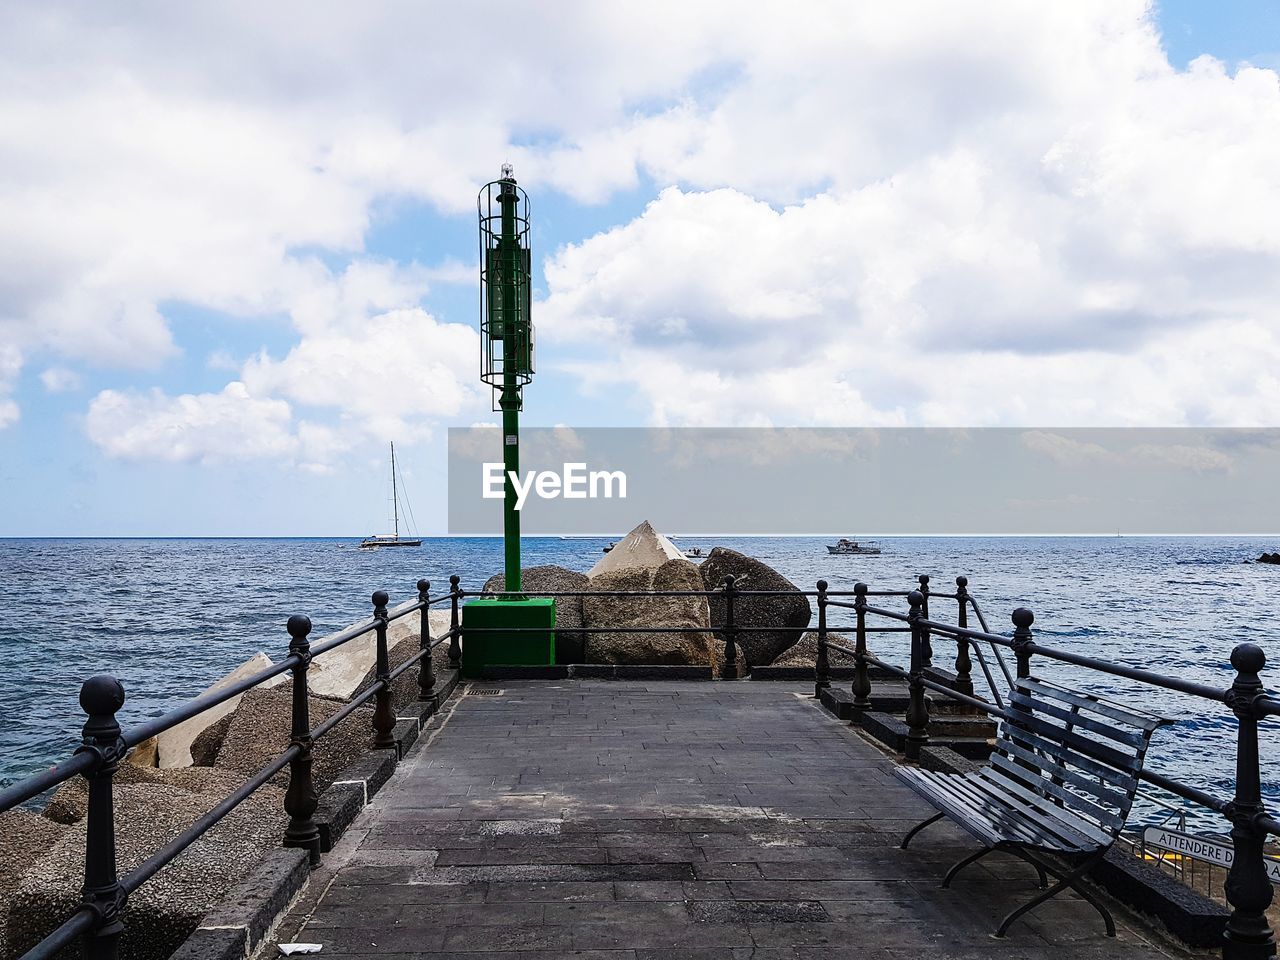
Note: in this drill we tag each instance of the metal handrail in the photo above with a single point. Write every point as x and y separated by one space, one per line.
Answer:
106 745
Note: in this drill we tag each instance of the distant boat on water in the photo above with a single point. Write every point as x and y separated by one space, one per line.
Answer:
393 539
843 546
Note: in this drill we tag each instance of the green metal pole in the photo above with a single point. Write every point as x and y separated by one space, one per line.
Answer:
509 400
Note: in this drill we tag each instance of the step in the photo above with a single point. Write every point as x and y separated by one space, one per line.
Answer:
893 696
892 731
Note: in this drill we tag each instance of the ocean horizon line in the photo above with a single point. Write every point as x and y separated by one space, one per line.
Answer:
607 536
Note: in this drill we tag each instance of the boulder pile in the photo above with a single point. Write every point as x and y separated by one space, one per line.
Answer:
644 562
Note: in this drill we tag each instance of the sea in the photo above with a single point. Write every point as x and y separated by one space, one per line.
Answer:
170 616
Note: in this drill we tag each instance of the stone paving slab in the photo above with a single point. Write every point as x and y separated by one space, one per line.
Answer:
628 820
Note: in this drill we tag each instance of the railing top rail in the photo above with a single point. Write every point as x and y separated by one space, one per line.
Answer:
36 784
198 705
712 592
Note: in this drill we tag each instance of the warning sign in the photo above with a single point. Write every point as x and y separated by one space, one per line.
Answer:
1208 849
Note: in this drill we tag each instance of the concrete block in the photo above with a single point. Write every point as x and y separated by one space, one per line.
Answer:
173 746
253 907
338 806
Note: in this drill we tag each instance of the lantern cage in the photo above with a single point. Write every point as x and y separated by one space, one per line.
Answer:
506 334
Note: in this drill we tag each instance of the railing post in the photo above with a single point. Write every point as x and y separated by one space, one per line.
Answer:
924 612
861 686
730 669
426 669
101 697
964 666
300 798
822 665
1022 620
1248 935
918 708
455 631
384 718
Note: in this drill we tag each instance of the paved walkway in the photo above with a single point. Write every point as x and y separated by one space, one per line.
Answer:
666 821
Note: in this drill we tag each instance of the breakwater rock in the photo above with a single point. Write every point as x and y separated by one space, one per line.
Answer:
693 649
789 613
643 547
804 653
164 911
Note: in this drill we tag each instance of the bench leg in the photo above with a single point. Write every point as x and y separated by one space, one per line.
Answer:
1044 880
972 858
917 828
1067 880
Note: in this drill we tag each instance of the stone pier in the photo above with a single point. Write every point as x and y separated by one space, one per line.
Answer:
617 820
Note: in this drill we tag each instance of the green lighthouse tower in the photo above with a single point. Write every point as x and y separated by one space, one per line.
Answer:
512 630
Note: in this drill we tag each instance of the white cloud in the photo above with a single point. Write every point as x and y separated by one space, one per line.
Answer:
205 427
10 367
60 379
922 212
1067 451
392 377
1200 459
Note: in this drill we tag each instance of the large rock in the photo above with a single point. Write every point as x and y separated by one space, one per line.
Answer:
789 614
24 837
404 688
259 733
643 547
695 648
536 581
204 748
165 910
340 673
67 804
805 652
173 747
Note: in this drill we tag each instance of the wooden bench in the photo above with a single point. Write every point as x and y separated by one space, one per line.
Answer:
1060 782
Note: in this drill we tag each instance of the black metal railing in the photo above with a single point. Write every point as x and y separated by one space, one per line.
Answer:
105 743
99 920
1248 888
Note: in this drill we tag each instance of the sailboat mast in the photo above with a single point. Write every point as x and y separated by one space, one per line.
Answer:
395 496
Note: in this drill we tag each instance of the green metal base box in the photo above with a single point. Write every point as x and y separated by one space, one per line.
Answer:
489 646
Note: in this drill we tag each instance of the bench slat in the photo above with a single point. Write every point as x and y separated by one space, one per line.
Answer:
1090 748
1127 737
1123 780
1060 816
1081 806
992 823
992 817
1054 768
1106 708
1043 818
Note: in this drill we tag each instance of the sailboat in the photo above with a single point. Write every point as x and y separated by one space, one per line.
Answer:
380 540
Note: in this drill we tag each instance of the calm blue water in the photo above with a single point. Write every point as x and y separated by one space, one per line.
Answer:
170 616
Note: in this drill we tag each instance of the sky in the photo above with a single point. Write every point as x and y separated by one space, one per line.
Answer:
238 242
